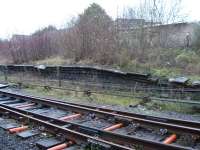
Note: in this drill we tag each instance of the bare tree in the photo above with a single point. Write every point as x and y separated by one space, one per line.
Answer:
146 23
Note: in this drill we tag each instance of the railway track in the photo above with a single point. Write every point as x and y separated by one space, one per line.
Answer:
108 128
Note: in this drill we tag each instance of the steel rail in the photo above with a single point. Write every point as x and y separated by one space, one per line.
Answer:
191 102
170 124
70 134
109 138
182 122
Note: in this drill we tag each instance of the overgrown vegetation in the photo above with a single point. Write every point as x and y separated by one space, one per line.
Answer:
94 38
78 94
178 107
81 97
105 99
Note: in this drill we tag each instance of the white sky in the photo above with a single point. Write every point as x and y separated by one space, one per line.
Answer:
26 16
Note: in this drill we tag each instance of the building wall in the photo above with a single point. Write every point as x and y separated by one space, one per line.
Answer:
166 36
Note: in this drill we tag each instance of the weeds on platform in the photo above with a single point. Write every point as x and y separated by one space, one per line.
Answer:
173 106
81 96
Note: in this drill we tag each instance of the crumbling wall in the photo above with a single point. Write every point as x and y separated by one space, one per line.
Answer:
165 36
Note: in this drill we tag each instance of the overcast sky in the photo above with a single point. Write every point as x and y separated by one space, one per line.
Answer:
26 16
